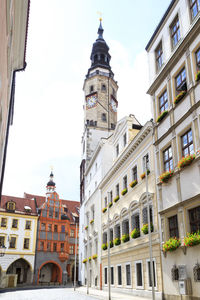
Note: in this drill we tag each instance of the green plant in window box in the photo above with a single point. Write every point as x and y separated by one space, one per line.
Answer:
117 241
94 256
164 177
135 233
171 245
85 260
86 227
104 209
133 183
104 246
92 221
124 191
186 161
111 244
125 238
179 97
197 77
110 204
116 198
192 239
142 176
162 115
90 258
145 228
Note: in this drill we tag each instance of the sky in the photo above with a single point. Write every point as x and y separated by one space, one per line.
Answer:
48 116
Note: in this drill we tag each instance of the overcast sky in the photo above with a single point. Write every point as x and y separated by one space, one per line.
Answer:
48 117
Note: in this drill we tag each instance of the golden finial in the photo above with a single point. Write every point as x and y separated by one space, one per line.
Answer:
100 14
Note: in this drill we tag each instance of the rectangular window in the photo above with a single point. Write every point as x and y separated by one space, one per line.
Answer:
12 242
56 214
125 182
194 8
197 54
167 159
50 212
111 196
159 57
3 222
146 162
28 225
71 249
63 228
2 241
105 276
180 81
117 150
134 173
119 272
187 143
112 275
48 246
105 201
135 220
117 189
175 32
43 226
54 247
145 215
124 139
55 228
26 243
72 233
173 226
194 217
42 246
163 102
139 281
62 247
128 274
149 274
14 223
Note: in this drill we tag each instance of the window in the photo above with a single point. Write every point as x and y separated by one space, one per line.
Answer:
196 272
26 243
10 206
49 227
112 275
117 189
62 247
42 246
71 249
180 81
175 32
173 226
128 274
48 246
145 215
112 126
167 159
103 117
117 150
134 173
111 196
54 247
194 8
119 272
91 88
135 220
55 228
14 223
197 54
163 102
92 211
2 241
124 139
159 57
3 222
42 226
139 281
194 217
146 162
125 227
125 182
149 273
62 228
175 273
72 233
56 214
103 87
50 212
117 231
105 276
187 143
105 201
28 225
12 242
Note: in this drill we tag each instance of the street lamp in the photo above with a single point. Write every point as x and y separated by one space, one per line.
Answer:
2 250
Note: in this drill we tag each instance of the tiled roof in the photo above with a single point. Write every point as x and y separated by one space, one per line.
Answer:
20 204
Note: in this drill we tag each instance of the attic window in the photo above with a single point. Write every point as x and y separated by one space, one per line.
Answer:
27 208
10 206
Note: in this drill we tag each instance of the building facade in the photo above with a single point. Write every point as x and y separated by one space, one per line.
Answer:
174 65
18 229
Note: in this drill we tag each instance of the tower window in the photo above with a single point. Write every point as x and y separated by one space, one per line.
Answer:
103 117
103 87
102 57
91 88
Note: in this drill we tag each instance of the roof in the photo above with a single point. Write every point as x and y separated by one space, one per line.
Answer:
160 24
20 204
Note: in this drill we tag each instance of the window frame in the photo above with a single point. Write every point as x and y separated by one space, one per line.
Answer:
119 265
125 182
168 160
148 162
197 2
133 173
175 33
187 146
128 285
106 276
6 223
117 193
28 244
117 150
148 273
193 222
26 225
159 56
139 287
125 139
4 239
182 82
10 237
15 228
165 101
112 282
196 59
174 228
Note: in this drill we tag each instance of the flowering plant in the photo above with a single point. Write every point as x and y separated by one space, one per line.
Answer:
85 260
86 227
186 161
116 198
125 238
124 191
90 258
197 77
135 233
104 209
104 246
162 115
145 228
111 244
142 176
117 241
133 183
179 97
164 177
94 256
192 239
171 245
92 221
110 204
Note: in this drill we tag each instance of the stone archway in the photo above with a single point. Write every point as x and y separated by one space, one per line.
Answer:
22 269
50 272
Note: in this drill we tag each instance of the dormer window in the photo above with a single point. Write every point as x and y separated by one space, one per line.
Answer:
10 206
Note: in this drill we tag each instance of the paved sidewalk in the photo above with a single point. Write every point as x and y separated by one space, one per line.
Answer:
103 294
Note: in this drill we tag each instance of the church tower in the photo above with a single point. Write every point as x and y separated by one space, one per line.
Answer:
100 102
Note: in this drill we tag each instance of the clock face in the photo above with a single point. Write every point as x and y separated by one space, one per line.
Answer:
91 101
113 105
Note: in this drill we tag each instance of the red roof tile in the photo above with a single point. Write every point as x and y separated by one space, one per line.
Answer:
20 204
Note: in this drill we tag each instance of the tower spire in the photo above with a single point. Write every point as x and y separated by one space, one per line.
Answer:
51 186
100 30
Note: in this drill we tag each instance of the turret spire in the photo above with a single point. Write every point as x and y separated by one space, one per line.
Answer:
100 31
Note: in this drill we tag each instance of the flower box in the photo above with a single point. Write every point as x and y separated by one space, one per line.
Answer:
179 97
186 161
104 209
135 233
92 221
171 245
124 191
90 258
125 238
164 177
197 77
143 175
111 244
192 239
86 227
116 198
133 183
104 246
145 228
85 260
110 204
162 115
117 241
94 256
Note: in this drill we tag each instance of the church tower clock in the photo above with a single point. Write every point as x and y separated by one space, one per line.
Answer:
100 102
